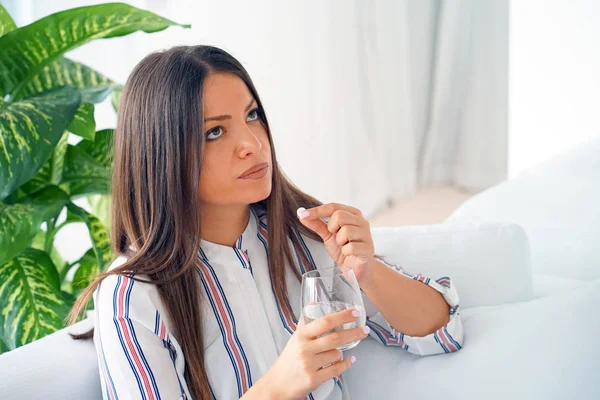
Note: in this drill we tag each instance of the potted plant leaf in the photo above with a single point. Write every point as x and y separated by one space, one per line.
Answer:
44 98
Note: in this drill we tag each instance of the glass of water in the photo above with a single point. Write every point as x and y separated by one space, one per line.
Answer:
329 290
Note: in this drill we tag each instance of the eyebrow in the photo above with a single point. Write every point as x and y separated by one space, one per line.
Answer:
222 117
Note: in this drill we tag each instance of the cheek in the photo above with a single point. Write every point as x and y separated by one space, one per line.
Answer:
264 140
211 179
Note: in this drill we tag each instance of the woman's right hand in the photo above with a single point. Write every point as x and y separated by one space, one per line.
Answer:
298 369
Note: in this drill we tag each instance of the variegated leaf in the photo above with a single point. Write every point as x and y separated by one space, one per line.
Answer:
51 172
68 296
29 131
84 124
27 50
6 22
83 175
101 148
3 346
86 272
58 159
31 303
20 222
87 165
101 206
115 97
93 86
98 235
17 226
39 241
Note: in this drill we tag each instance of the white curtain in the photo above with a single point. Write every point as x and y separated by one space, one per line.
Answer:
368 100
464 138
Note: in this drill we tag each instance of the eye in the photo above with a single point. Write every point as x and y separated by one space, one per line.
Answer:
253 115
214 133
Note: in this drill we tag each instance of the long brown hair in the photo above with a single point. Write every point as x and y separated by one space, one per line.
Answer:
158 147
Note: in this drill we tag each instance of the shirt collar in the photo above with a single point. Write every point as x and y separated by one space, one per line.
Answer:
244 242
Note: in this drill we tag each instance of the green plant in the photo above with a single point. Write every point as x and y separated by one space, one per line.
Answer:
44 98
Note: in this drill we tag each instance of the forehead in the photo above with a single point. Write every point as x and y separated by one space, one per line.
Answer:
224 93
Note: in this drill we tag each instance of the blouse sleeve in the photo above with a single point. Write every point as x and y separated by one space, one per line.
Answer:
136 356
446 339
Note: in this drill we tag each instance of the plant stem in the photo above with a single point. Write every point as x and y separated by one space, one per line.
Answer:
51 232
63 273
49 242
56 229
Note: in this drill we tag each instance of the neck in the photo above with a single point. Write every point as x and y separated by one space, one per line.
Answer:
224 224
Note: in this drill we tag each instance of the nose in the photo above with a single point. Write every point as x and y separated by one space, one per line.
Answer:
248 143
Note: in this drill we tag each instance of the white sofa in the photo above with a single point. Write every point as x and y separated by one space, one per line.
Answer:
525 260
546 347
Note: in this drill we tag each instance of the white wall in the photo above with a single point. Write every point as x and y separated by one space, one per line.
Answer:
554 78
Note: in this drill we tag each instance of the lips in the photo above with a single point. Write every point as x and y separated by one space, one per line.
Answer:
257 168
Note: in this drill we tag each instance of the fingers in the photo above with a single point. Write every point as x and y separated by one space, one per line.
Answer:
315 225
335 369
327 357
327 210
359 249
349 233
340 338
337 220
342 218
323 325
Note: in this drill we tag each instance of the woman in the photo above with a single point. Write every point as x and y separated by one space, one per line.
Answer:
201 301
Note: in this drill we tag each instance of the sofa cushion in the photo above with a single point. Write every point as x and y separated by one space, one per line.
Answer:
488 262
558 205
540 349
54 367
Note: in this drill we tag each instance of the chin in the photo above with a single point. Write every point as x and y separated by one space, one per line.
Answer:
256 193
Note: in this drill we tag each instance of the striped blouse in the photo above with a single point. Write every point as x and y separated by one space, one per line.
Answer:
245 329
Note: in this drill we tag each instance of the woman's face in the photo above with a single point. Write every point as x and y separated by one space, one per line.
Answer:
236 141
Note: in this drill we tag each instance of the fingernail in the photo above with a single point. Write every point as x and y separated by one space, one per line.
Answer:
352 359
302 213
356 313
366 330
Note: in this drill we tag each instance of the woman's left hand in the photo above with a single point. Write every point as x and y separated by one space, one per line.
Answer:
347 235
